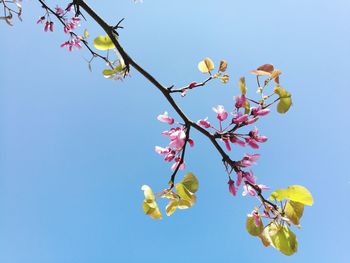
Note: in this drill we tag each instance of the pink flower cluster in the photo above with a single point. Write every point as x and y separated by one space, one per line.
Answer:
70 23
178 139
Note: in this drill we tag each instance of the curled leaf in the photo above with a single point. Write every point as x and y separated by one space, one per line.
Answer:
149 204
223 65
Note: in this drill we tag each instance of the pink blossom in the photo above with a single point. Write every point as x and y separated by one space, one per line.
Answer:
222 114
161 150
165 118
59 10
177 161
249 177
263 187
183 92
249 159
190 142
258 111
240 101
239 118
231 187
252 120
47 26
235 139
239 178
41 20
177 138
204 123
254 134
254 138
247 189
256 216
226 140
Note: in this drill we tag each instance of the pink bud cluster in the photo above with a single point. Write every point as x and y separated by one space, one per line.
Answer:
178 139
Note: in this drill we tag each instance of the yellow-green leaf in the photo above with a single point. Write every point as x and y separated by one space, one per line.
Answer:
285 99
149 204
184 204
190 181
265 237
183 192
225 79
295 193
206 65
171 207
294 211
283 239
86 33
103 43
252 228
242 86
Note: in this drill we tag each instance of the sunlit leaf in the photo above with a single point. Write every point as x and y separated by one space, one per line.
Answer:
183 192
86 33
184 204
283 239
149 204
171 207
252 228
242 86
190 181
223 65
265 237
294 211
285 99
295 193
103 43
206 65
225 79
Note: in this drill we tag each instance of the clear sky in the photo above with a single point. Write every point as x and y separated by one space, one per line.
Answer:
75 148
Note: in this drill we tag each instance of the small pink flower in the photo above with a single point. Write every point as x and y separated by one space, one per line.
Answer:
177 138
221 113
239 118
231 187
249 159
256 216
41 20
51 26
59 10
47 26
240 101
204 123
226 140
165 118
239 178
249 177
254 134
263 187
184 93
190 142
235 139
247 189
252 120
177 161
161 150
257 111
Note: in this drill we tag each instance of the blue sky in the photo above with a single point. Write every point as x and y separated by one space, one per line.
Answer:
76 148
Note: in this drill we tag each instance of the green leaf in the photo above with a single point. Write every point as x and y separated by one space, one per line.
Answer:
206 65
184 204
294 211
265 237
183 192
252 228
103 43
295 193
242 86
86 33
190 181
285 99
171 207
283 239
149 204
